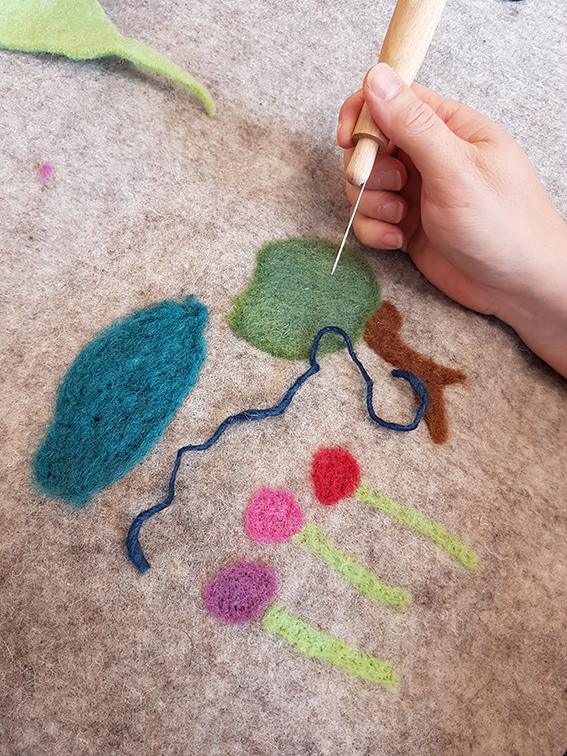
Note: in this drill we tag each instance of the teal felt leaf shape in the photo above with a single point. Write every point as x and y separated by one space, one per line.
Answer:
293 295
118 396
81 29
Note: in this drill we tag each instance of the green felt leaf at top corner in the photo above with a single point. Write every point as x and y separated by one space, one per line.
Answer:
80 29
293 295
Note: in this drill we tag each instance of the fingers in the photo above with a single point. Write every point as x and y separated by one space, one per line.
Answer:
381 207
350 110
388 172
377 216
384 206
376 233
411 123
348 116
466 123
415 119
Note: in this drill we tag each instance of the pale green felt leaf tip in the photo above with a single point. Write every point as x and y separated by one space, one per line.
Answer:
80 29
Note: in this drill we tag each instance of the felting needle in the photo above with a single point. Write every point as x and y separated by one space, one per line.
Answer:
348 227
405 45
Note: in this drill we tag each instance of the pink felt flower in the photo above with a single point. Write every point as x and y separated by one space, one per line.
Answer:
273 516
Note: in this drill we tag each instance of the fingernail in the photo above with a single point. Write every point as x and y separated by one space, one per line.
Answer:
391 180
392 211
392 240
383 81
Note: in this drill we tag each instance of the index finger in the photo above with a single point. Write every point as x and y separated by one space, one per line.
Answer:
348 116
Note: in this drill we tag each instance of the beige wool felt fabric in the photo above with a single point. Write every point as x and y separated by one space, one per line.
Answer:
150 199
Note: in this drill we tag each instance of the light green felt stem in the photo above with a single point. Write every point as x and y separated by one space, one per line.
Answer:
414 519
313 642
315 539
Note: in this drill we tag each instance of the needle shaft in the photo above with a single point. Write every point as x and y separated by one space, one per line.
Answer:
348 227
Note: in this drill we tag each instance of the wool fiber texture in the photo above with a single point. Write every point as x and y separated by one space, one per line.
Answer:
81 29
415 520
117 398
151 200
312 642
292 296
382 333
241 592
335 474
364 581
135 551
273 516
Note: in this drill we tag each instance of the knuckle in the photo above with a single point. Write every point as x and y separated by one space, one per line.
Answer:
420 118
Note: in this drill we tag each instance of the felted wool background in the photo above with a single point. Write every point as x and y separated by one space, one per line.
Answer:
150 199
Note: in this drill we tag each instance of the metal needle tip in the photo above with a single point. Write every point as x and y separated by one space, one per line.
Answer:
348 228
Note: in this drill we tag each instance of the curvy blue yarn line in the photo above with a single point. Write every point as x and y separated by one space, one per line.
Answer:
132 541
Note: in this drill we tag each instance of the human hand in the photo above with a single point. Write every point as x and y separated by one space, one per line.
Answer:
459 195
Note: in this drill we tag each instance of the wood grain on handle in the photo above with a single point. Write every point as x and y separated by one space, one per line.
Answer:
407 40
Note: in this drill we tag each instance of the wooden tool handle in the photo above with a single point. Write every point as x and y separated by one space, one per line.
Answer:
407 40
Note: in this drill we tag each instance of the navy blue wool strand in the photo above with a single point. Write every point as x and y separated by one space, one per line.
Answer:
132 541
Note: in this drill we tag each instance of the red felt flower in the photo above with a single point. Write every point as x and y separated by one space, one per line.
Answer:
335 474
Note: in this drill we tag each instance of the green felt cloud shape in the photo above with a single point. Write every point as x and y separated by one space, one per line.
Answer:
293 295
81 29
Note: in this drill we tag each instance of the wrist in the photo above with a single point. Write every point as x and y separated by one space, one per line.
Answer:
538 313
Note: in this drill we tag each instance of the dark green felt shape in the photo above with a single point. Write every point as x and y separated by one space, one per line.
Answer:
81 29
293 295
118 396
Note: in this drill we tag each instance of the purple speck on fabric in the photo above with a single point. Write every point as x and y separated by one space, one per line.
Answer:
241 592
45 172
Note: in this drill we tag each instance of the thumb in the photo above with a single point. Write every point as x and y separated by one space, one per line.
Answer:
410 123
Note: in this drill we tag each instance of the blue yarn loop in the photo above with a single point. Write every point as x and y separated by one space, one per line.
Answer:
132 541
